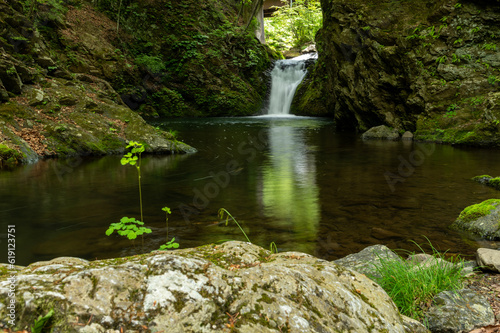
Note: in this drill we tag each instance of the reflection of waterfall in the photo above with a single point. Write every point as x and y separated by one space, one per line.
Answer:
285 77
289 190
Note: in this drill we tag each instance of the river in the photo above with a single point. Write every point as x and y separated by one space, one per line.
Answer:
293 181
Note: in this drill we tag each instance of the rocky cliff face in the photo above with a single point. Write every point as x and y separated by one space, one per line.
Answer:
425 66
76 76
232 287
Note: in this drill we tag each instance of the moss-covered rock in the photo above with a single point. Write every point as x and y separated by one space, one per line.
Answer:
53 110
482 219
488 180
190 60
429 67
76 118
9 157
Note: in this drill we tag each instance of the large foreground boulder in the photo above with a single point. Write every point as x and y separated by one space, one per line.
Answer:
207 289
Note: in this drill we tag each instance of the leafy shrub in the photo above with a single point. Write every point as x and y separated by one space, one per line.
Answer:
294 26
152 63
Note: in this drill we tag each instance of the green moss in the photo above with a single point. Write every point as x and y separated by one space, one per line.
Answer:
8 110
9 157
474 212
495 183
266 299
477 178
179 301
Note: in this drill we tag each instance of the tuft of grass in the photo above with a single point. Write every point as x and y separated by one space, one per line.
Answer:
413 286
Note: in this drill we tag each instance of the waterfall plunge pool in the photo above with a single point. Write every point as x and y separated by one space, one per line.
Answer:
289 180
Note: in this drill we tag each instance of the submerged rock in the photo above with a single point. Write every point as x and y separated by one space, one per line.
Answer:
207 289
481 219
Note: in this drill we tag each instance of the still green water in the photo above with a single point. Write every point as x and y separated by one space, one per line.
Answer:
289 180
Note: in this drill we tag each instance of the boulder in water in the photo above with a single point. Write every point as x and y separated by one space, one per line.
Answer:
381 132
482 219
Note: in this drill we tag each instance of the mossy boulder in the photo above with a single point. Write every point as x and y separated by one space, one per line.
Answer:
488 180
234 286
481 219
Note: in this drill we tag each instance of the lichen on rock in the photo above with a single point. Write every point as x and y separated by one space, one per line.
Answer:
207 289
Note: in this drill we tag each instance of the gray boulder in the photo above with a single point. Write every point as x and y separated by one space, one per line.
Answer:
207 289
413 326
488 259
407 136
459 311
366 261
381 132
481 219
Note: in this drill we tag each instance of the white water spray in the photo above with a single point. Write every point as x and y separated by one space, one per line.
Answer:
285 77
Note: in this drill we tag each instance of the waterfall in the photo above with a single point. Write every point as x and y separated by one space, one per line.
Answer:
285 77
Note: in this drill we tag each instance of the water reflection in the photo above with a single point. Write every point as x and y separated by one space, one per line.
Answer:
297 183
288 191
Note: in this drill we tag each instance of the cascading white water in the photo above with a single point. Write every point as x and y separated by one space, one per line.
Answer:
285 77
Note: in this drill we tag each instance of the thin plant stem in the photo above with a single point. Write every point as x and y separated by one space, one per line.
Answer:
221 214
140 194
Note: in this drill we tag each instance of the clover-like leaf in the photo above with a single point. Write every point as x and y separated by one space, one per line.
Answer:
166 210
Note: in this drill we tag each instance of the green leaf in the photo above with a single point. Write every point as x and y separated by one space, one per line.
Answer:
132 235
167 210
40 323
109 231
175 245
